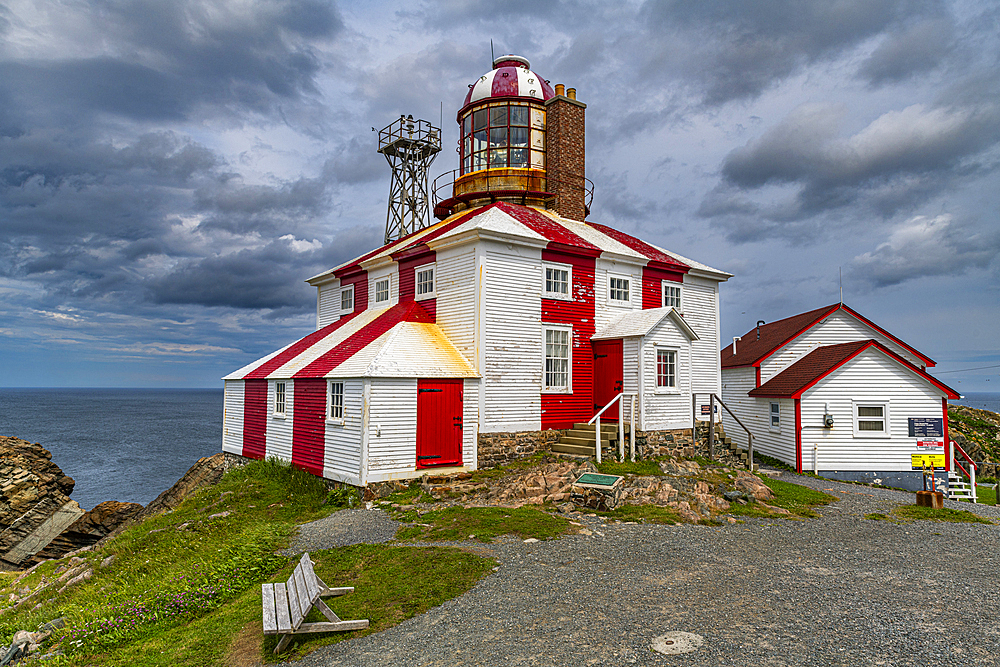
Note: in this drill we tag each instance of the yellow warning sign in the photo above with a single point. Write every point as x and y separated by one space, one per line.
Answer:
921 461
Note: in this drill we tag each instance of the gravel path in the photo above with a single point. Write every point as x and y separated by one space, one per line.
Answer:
838 590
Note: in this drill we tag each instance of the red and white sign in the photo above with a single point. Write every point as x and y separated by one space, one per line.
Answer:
930 444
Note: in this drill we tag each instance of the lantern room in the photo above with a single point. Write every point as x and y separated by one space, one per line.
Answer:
520 141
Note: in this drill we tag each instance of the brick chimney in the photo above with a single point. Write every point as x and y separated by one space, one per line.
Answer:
565 153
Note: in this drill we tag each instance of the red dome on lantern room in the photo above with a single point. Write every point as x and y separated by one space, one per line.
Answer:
511 76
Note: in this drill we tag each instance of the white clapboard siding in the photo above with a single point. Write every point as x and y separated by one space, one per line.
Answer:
232 417
470 422
840 327
873 377
392 428
279 430
514 351
736 383
700 303
779 445
342 444
455 286
328 304
666 408
604 309
630 364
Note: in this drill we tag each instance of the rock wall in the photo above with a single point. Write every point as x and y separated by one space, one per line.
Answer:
497 449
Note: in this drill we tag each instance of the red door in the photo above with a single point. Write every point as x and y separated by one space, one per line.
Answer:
439 423
607 375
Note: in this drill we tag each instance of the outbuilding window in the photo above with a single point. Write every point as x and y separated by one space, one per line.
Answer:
871 419
671 295
279 399
666 369
558 351
336 401
775 425
381 290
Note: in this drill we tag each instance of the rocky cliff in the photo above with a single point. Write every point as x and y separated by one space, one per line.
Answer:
38 519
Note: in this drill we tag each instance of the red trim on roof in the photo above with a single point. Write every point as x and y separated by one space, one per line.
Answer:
412 311
774 336
821 362
544 225
658 258
295 349
752 350
927 360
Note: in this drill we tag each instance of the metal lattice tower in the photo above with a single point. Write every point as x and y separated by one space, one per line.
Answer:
409 146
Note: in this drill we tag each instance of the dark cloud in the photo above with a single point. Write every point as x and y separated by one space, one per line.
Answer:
924 247
737 49
894 164
918 49
267 277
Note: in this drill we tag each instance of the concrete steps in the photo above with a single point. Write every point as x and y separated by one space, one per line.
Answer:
581 440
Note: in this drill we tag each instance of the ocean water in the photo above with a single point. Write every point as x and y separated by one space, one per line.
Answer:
118 444
982 400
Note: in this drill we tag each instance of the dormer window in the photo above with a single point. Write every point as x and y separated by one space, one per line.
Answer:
618 290
671 295
347 299
382 290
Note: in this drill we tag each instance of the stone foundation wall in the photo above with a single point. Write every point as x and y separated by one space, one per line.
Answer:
676 442
497 449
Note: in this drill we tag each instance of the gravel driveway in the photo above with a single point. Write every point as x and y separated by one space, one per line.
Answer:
838 590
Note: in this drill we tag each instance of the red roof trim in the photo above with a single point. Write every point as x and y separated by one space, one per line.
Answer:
661 259
403 312
294 350
927 360
851 350
547 227
727 361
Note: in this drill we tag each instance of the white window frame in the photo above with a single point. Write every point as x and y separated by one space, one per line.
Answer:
432 292
330 416
280 400
671 285
771 415
345 290
388 289
611 290
666 389
861 403
552 266
557 389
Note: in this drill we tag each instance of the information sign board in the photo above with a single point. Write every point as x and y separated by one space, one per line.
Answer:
925 427
921 461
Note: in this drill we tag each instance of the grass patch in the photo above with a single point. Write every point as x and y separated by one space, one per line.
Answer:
917 513
878 516
184 587
641 468
391 584
644 514
484 524
797 499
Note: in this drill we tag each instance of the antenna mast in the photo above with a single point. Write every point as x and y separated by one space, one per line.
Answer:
409 146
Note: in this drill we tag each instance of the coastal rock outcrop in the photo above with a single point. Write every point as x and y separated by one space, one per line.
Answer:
35 506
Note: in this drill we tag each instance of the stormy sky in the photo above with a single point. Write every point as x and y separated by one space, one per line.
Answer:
170 172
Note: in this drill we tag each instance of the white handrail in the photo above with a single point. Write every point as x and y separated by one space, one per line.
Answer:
621 418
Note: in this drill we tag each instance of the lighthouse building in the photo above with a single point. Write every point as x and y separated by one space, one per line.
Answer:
512 314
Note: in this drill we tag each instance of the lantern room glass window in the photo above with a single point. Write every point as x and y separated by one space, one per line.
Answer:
503 135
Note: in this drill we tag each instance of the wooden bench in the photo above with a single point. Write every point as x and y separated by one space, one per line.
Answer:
287 605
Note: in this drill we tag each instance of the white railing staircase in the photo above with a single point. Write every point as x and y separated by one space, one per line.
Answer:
958 488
